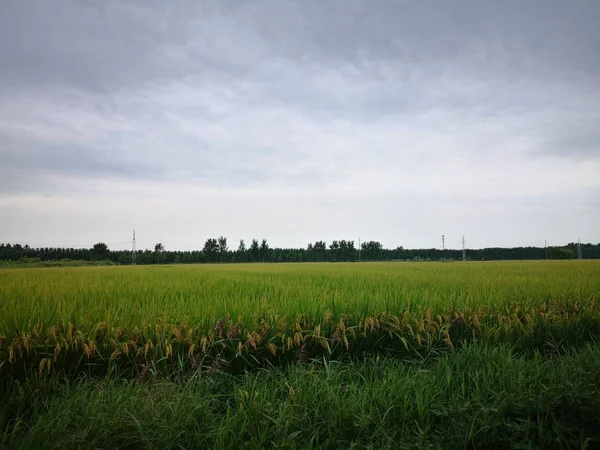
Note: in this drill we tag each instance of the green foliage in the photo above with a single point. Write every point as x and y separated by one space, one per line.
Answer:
560 253
254 250
371 355
481 397
211 249
100 247
77 320
372 250
100 250
26 262
338 251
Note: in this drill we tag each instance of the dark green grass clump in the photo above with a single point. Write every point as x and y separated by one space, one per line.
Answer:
478 397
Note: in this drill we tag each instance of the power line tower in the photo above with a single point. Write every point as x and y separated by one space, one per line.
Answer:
133 250
579 253
464 253
443 242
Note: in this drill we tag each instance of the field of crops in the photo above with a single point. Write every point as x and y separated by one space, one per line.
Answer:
178 324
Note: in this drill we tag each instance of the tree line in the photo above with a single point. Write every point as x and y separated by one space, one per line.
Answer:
217 250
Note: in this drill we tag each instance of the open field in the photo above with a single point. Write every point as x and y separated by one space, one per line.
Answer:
252 335
72 318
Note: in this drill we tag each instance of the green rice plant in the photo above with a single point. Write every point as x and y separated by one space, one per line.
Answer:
182 319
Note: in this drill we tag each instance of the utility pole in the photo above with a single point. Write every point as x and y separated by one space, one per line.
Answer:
133 250
464 253
579 253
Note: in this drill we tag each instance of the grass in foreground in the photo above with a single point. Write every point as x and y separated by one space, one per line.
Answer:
480 397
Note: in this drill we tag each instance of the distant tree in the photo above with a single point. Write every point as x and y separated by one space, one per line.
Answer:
264 249
222 241
264 246
372 250
350 251
254 250
159 247
100 247
335 250
320 245
399 253
211 249
346 250
343 249
223 248
560 253
319 251
99 251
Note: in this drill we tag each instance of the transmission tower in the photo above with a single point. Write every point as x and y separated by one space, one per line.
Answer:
464 253
443 243
133 250
579 253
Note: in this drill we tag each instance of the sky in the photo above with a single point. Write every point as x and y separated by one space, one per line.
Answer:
295 121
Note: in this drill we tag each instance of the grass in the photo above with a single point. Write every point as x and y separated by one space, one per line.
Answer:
37 262
479 398
466 355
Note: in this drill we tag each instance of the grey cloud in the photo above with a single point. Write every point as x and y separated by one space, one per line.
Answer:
435 100
107 44
577 141
91 46
34 166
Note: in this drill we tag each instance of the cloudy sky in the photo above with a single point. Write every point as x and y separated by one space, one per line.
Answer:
397 121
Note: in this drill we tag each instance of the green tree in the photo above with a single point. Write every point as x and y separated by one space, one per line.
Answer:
335 250
346 250
371 250
241 254
159 247
100 251
264 250
223 248
560 253
100 247
320 246
211 249
254 250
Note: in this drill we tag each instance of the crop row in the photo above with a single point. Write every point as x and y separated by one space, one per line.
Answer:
234 345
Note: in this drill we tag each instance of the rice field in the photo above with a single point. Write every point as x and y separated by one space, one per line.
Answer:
244 314
148 325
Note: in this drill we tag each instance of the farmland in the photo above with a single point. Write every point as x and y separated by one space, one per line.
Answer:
333 354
